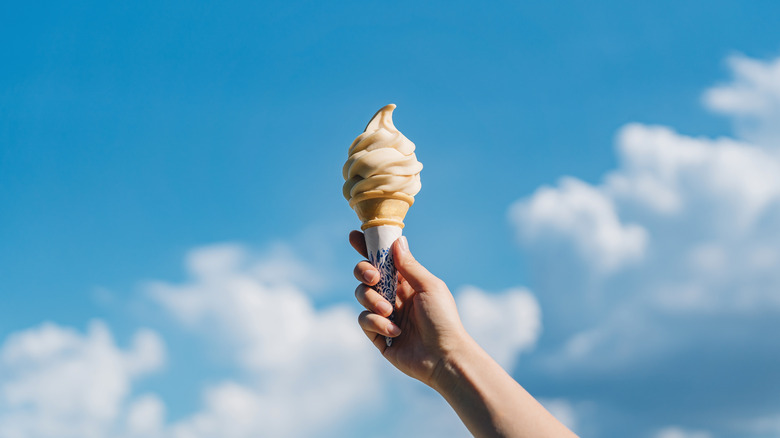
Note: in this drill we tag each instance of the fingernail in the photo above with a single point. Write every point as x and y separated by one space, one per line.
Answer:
370 275
393 329
404 244
384 308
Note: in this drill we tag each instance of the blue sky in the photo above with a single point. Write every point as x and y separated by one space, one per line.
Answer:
139 139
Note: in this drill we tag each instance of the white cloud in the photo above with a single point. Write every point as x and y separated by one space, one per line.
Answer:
578 213
690 260
685 227
503 324
420 411
752 99
665 173
303 362
686 215
626 338
299 370
678 432
768 425
146 417
563 411
755 90
299 361
231 411
55 381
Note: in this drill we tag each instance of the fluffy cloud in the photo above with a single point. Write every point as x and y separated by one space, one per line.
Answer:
298 361
673 256
752 99
503 324
145 417
677 432
303 362
55 381
577 213
299 370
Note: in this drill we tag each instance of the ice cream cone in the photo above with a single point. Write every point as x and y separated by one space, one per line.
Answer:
381 177
376 207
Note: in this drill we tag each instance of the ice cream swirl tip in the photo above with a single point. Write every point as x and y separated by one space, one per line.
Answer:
381 159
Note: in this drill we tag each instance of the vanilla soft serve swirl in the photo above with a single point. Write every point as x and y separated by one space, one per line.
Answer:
381 159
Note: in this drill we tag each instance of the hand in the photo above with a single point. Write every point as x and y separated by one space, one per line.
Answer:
427 327
431 345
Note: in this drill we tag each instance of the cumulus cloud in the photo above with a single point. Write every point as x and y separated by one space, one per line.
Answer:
298 361
299 370
506 324
672 256
692 214
658 286
503 324
673 175
54 381
145 417
579 214
302 362
752 98
678 432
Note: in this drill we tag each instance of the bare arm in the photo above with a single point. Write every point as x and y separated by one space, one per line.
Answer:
489 401
432 346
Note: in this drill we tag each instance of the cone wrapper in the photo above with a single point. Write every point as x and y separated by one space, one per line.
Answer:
379 242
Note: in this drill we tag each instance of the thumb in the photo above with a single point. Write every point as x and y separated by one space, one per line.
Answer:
414 273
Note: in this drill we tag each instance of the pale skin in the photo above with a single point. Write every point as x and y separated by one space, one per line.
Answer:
431 345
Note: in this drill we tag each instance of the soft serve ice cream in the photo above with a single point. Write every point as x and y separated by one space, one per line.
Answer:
382 176
381 159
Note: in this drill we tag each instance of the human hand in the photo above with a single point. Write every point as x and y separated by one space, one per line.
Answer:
431 345
427 328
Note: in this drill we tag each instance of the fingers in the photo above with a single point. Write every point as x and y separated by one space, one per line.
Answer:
366 273
373 324
358 241
374 321
372 301
412 271
404 292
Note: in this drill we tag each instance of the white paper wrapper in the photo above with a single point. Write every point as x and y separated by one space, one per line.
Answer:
378 243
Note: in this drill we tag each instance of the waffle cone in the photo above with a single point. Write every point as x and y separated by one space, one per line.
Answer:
375 208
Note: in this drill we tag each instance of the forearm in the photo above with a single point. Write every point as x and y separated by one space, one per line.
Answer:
488 400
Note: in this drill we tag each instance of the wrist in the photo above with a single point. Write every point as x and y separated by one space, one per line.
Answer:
448 373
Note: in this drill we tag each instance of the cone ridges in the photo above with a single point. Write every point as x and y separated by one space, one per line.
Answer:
375 208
